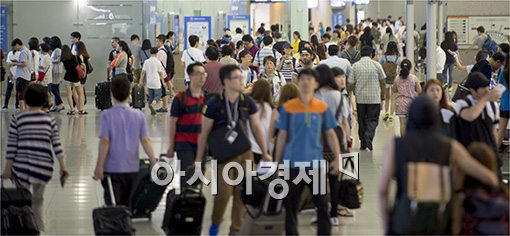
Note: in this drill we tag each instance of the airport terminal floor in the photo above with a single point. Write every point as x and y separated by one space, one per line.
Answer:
68 210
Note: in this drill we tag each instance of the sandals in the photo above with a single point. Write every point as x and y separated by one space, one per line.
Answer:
70 113
82 113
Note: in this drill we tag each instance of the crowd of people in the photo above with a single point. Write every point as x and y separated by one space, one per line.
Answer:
282 98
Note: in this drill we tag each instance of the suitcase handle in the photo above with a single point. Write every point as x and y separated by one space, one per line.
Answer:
110 188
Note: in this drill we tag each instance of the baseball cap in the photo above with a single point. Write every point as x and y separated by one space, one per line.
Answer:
477 80
287 45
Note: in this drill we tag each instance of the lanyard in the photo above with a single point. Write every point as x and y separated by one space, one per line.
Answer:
232 118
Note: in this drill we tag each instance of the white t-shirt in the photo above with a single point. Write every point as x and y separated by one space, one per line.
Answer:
12 56
46 66
189 53
152 68
35 62
342 63
441 60
265 120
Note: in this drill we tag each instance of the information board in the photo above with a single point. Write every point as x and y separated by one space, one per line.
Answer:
465 26
338 19
239 21
459 24
4 28
197 25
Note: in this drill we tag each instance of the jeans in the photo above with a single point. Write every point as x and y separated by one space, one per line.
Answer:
448 74
154 95
122 184
368 119
8 92
55 90
291 208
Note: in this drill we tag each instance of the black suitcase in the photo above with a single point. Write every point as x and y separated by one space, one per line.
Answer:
147 194
103 98
184 212
19 221
112 220
138 97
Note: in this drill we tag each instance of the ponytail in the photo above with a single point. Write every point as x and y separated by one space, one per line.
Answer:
404 72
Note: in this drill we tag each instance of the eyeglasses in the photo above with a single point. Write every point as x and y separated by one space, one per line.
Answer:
204 74
236 77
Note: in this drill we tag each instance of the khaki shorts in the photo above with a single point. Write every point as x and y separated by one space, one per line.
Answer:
71 84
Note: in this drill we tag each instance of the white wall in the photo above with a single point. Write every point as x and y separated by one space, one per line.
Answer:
60 18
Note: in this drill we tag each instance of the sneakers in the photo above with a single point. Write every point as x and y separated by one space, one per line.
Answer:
334 221
390 119
344 212
162 110
214 230
153 111
386 116
4 108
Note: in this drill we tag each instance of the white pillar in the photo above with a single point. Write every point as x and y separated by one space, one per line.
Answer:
440 20
352 13
431 39
299 18
410 30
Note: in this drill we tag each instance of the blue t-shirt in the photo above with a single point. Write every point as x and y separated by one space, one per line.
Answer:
305 126
505 98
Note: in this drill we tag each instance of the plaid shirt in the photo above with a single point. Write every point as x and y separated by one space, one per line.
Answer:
366 75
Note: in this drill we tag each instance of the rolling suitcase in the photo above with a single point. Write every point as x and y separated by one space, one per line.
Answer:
112 220
268 219
103 98
17 216
147 194
138 97
184 212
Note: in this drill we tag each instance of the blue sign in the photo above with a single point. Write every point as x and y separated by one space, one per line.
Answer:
4 28
239 21
238 7
338 19
199 26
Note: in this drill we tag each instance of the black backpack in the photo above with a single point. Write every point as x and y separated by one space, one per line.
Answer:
479 130
169 67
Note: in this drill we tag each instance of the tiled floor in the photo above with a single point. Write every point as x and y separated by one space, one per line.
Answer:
68 210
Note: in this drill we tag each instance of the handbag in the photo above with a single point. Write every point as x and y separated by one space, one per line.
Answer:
222 143
350 190
81 73
224 151
89 66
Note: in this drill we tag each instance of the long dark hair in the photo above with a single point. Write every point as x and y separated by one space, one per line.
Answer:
389 31
405 68
261 93
33 44
392 49
423 115
449 41
82 50
55 43
315 42
146 44
66 53
326 77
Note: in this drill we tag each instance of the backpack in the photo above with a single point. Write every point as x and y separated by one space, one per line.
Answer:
490 45
479 130
169 66
182 102
461 92
390 69
485 213
352 59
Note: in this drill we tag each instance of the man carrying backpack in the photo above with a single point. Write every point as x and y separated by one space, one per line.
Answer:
490 66
477 114
267 50
351 53
224 128
165 57
484 41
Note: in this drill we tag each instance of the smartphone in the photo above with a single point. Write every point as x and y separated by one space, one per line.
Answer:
62 180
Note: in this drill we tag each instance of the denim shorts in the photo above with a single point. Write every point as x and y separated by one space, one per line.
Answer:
154 95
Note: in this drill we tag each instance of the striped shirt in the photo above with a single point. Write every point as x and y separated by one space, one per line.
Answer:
189 120
32 138
287 70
